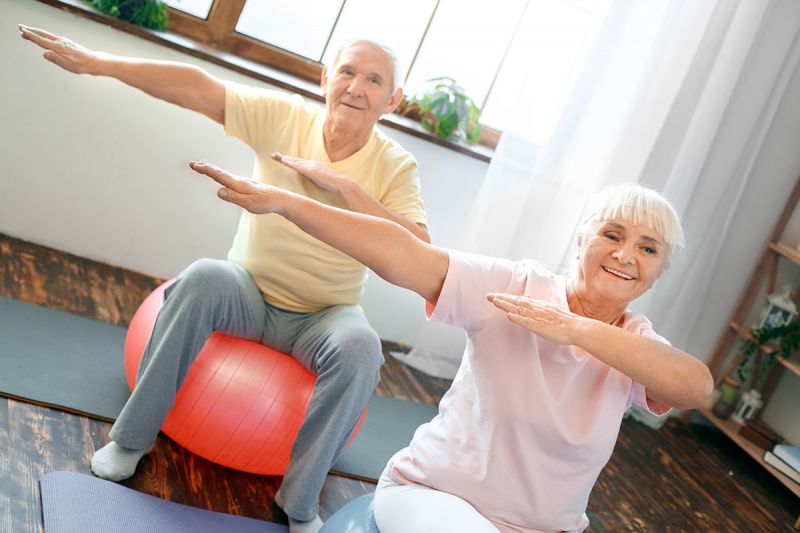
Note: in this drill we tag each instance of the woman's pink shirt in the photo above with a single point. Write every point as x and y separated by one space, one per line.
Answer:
527 424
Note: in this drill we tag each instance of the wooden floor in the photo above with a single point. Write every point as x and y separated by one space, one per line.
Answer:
684 477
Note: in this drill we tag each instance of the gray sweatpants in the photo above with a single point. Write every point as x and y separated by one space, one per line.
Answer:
336 343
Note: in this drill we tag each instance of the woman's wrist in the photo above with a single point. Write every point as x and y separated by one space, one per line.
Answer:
583 328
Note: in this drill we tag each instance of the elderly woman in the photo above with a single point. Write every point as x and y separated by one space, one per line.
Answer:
551 364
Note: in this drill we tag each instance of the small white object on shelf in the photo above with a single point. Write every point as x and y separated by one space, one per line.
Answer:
748 405
780 309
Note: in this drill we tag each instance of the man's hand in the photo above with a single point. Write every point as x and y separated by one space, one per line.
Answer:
355 196
543 318
321 175
255 197
64 52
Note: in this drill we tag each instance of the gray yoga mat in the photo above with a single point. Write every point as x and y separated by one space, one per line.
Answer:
62 360
73 363
388 427
79 503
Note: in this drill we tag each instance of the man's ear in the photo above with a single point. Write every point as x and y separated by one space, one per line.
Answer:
323 79
394 101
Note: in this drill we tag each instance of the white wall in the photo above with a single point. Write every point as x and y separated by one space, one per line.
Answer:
98 169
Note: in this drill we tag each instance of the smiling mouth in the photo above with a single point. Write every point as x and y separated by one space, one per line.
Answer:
618 273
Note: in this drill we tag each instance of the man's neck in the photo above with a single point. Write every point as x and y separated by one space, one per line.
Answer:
339 144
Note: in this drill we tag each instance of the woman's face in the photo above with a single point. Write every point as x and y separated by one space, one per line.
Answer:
620 261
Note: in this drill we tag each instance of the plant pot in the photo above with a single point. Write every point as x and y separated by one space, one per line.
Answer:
722 410
729 390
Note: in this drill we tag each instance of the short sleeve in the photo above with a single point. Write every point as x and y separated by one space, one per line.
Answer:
638 395
404 194
258 116
470 277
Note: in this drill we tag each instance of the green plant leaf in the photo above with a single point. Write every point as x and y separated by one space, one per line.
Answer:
147 13
452 112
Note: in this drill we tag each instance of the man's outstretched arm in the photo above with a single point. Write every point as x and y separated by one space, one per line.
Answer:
181 84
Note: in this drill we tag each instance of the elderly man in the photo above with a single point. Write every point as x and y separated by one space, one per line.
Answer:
278 286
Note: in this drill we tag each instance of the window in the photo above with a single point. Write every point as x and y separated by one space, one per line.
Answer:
198 8
516 58
299 26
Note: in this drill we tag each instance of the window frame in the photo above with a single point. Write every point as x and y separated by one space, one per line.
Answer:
215 39
219 31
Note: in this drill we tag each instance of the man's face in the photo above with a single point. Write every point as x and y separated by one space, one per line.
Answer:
358 89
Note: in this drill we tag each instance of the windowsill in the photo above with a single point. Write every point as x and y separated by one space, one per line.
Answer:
258 71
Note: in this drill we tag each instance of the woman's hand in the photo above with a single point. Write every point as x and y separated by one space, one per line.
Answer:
543 318
321 175
255 197
64 52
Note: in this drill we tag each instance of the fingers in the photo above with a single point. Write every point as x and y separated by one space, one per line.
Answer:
38 31
223 177
508 302
524 321
229 195
37 36
289 161
58 59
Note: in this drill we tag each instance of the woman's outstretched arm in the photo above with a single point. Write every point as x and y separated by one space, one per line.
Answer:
668 374
387 248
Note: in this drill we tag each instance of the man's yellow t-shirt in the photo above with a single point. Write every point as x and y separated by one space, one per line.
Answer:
293 270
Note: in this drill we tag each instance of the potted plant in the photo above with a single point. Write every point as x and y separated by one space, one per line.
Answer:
785 338
147 13
444 109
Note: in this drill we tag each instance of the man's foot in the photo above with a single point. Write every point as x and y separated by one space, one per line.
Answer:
115 463
311 526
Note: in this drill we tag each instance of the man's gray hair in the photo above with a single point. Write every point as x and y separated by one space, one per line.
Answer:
397 71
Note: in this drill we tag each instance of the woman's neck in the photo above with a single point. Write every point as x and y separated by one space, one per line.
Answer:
581 304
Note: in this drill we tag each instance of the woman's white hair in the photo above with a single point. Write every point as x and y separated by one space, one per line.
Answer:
638 205
397 71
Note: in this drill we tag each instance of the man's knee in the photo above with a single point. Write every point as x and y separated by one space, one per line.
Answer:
206 278
359 352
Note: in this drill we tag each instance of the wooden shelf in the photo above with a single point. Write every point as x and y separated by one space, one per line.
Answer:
789 252
792 365
744 331
731 429
764 275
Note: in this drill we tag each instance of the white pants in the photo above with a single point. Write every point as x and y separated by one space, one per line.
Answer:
418 509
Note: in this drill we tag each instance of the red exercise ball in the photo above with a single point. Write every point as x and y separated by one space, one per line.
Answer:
241 404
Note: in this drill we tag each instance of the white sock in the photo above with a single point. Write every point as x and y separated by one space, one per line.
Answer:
115 463
311 526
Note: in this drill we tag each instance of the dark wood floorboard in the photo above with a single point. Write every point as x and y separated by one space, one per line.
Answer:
684 477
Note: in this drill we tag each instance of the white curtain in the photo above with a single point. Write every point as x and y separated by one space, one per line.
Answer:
676 94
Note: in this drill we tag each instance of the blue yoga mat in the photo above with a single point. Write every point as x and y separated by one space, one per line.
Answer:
74 363
79 503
